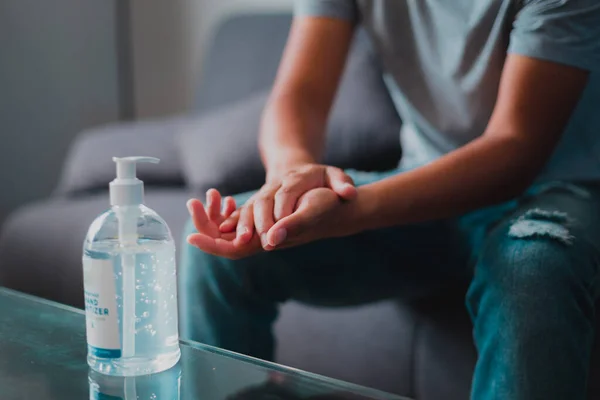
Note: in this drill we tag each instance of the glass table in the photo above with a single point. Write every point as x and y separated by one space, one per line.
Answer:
43 357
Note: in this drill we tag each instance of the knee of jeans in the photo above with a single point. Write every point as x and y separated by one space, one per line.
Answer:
204 277
207 285
536 256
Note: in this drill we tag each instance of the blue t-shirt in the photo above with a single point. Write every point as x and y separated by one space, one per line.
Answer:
443 61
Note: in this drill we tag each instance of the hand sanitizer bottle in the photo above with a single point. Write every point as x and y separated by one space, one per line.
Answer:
130 280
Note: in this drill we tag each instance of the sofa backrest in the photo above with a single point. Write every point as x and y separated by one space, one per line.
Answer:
242 58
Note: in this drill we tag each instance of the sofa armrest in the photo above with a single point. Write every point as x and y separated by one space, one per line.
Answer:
89 166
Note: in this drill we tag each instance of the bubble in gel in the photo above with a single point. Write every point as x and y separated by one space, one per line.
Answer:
145 314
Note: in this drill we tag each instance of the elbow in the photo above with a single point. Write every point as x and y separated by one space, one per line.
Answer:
516 189
519 180
522 161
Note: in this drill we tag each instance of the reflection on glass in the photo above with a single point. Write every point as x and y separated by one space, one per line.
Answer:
281 386
162 386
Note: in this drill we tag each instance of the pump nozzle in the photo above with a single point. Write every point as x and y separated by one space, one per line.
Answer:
126 165
127 189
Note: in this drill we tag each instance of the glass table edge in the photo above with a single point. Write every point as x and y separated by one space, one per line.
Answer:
375 393
364 390
36 299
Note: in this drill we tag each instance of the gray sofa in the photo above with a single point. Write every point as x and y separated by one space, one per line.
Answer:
423 349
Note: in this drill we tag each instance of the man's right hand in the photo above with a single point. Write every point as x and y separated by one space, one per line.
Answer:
277 199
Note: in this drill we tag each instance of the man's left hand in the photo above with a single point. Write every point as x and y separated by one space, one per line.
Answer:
319 214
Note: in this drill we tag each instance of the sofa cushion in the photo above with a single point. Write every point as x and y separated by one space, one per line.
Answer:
444 351
41 243
89 164
220 149
371 345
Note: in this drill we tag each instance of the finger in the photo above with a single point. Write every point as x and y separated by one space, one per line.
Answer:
280 232
263 217
263 220
288 194
228 206
230 223
199 216
252 246
213 204
230 236
289 227
215 246
245 226
340 183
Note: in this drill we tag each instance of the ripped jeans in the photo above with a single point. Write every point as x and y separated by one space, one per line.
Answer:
532 264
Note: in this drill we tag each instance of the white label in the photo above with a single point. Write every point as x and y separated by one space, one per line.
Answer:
101 320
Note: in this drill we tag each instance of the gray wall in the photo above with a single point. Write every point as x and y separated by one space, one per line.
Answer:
58 75
160 38
169 41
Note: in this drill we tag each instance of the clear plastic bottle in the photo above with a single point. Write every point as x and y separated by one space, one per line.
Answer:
130 288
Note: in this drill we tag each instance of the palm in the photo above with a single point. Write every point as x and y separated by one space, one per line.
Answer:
209 237
210 227
208 219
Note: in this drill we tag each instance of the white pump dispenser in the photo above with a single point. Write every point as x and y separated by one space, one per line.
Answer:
127 189
130 282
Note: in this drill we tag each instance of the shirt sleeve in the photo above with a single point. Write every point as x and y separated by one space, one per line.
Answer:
341 9
562 31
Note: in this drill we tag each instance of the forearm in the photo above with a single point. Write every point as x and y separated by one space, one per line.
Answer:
293 125
488 170
292 132
528 120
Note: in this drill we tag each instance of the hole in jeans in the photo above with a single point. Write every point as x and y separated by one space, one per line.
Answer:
542 223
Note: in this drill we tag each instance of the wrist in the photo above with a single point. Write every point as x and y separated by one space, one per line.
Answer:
286 162
360 212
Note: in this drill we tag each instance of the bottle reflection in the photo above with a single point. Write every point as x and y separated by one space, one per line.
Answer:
165 385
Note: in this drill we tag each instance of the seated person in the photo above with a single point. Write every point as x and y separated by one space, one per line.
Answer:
497 187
